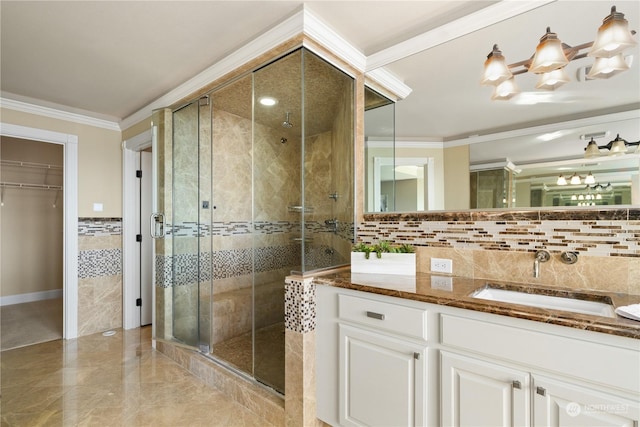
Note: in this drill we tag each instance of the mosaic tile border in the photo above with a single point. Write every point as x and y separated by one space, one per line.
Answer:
101 262
300 305
99 227
590 237
344 230
223 264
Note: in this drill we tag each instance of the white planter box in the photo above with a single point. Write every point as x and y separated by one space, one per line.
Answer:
403 264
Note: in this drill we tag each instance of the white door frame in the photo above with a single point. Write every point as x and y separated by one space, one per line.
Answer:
130 226
70 226
427 162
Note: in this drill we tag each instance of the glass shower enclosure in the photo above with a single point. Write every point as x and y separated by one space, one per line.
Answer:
254 182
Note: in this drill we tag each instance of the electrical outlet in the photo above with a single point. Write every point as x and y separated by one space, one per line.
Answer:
442 282
441 265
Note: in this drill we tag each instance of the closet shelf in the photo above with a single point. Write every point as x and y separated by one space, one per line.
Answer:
30 186
29 164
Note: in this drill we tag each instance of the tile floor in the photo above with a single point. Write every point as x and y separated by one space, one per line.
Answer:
108 381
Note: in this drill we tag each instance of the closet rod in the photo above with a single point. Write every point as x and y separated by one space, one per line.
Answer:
30 186
29 164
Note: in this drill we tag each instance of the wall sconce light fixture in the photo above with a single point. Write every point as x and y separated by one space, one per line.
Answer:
616 147
551 56
576 179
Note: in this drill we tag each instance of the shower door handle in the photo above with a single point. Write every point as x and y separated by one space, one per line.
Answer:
157 225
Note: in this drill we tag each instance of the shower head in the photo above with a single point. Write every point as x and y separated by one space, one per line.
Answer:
287 124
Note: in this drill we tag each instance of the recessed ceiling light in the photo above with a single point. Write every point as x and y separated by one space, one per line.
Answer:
267 101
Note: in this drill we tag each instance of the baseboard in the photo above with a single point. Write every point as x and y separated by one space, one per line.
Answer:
30 297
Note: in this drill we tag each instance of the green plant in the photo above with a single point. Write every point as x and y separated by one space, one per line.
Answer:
383 247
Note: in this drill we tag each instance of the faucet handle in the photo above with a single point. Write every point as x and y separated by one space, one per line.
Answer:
543 255
569 257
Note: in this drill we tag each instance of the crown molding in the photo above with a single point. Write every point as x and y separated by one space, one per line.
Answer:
390 82
468 24
53 113
316 29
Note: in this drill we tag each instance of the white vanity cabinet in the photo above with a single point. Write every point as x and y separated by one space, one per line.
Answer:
382 379
479 393
381 369
384 361
561 403
499 371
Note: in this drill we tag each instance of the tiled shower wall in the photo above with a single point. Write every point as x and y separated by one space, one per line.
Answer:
99 274
501 245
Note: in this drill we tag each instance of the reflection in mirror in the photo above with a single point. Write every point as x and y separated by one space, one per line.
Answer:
541 132
540 172
379 131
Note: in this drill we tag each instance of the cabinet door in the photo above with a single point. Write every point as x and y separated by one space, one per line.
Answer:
558 403
476 393
382 379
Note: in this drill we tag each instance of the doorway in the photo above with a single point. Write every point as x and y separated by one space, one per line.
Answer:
69 199
137 245
32 226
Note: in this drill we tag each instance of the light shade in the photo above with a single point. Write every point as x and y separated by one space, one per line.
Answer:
495 68
506 90
549 54
574 197
561 180
589 179
575 179
592 150
603 68
618 147
613 36
552 80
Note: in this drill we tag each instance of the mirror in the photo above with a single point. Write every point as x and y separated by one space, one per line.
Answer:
534 137
379 124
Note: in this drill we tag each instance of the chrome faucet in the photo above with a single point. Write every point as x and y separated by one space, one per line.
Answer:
541 256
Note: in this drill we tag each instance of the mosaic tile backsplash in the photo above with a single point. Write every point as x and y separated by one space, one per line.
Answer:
234 228
614 232
99 261
99 227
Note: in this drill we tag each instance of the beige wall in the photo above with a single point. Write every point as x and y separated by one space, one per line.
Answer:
31 226
136 129
456 177
99 161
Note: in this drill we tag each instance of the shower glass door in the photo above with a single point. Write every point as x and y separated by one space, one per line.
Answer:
190 214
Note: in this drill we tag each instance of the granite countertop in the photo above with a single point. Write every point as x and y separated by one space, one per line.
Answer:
456 292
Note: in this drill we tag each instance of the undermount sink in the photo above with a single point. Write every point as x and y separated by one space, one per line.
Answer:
554 302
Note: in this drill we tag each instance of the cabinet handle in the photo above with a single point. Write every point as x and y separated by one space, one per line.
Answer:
517 384
374 315
541 391
416 356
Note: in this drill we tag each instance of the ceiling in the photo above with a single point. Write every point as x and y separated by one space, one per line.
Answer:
109 59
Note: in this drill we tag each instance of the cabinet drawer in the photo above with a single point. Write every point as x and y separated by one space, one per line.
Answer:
384 316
